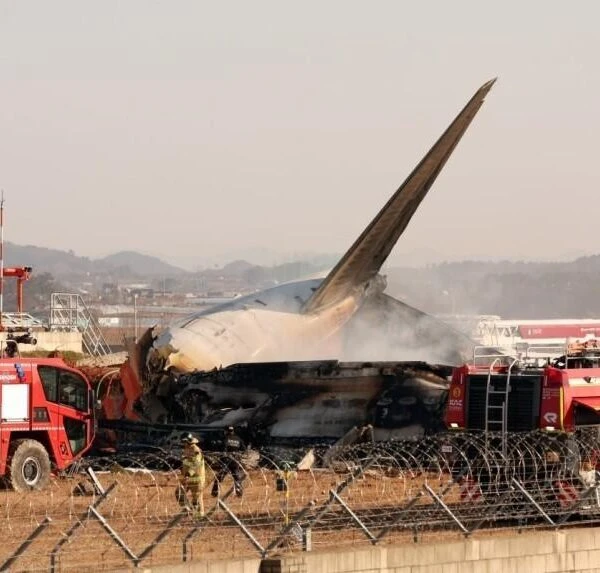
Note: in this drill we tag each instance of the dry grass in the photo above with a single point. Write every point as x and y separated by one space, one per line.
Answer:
142 504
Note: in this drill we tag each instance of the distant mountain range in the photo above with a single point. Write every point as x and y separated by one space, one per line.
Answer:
66 264
505 288
256 256
140 264
131 264
128 265
526 289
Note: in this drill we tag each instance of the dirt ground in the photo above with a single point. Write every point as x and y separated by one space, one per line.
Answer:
143 506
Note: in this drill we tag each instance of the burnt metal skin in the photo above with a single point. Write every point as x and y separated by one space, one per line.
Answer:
314 400
345 315
301 320
320 400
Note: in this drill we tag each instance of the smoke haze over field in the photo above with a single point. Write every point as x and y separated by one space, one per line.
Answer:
194 129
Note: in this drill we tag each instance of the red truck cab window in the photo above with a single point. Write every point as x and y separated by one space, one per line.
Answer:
64 387
70 391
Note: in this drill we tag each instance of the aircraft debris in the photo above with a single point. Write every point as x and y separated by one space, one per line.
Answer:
292 402
302 320
264 362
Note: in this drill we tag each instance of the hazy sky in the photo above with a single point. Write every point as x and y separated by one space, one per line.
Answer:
189 129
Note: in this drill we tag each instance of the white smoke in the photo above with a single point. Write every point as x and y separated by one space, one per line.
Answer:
388 330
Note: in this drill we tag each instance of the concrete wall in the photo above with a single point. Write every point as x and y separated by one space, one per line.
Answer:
571 551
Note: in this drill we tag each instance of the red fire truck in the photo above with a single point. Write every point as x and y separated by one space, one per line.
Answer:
46 419
510 395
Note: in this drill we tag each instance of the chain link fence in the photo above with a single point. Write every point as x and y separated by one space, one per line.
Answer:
124 510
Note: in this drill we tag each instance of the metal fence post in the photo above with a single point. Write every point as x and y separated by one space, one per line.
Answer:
56 549
306 539
114 535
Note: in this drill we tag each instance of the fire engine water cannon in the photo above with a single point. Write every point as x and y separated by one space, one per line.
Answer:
46 419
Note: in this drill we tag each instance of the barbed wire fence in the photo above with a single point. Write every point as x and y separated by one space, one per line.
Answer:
123 510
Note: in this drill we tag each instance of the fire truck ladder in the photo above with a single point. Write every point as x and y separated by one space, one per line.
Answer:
493 422
69 312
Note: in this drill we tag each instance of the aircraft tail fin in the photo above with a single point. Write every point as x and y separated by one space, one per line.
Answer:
365 257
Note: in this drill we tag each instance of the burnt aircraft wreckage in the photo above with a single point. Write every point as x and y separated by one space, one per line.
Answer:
320 401
264 359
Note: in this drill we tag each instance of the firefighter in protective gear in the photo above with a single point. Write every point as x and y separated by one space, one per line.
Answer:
193 474
229 463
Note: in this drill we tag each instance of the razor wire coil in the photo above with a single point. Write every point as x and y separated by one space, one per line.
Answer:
376 492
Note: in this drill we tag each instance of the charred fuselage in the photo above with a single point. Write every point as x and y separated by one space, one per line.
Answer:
316 400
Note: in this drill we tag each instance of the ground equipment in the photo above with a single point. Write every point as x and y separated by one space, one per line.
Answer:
513 395
540 416
46 419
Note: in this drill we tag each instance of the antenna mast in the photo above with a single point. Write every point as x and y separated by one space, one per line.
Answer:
1 258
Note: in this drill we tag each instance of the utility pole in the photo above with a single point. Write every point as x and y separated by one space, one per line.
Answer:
135 320
1 257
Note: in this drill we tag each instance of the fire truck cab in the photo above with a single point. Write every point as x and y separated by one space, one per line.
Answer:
46 419
512 395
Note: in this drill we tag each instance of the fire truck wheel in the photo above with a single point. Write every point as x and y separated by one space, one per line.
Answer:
29 465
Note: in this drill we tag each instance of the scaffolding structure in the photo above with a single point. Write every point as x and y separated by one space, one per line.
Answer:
68 312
